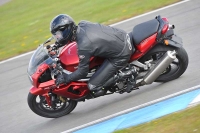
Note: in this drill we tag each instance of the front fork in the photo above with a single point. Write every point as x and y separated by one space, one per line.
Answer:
49 96
48 99
51 99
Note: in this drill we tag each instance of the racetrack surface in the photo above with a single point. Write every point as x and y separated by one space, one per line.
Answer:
17 117
3 2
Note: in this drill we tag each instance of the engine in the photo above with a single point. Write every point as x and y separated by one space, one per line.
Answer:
123 81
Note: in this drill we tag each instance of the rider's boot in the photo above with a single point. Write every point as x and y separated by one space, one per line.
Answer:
98 92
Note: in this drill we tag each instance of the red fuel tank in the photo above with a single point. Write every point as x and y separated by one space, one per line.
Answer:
69 58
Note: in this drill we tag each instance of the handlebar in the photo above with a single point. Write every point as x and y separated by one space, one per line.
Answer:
56 67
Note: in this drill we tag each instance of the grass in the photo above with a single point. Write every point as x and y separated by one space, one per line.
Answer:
24 24
187 121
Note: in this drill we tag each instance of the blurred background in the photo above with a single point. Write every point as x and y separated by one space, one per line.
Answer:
24 24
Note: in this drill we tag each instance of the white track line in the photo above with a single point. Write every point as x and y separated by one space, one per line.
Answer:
16 57
132 109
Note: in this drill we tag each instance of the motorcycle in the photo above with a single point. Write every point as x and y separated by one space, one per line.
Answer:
159 57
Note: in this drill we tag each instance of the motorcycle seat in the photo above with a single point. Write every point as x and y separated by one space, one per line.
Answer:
144 30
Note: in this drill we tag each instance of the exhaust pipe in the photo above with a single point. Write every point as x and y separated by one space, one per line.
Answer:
155 72
171 26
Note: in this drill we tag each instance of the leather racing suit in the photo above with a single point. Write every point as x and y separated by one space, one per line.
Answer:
94 39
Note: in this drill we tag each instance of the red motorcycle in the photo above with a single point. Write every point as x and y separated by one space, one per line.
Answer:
159 57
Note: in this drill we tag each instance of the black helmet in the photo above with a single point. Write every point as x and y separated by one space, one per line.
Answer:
63 29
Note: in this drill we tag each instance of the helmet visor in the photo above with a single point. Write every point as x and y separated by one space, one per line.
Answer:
62 33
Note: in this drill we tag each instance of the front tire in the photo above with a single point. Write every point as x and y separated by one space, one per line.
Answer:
175 69
39 106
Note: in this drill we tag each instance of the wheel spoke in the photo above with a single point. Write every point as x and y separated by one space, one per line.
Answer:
39 106
42 103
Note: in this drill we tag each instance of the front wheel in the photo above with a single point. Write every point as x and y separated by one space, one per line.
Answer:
175 69
39 106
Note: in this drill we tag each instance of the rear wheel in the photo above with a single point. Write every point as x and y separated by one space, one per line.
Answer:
39 106
175 69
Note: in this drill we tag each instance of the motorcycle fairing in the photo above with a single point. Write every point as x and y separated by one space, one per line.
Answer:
74 90
146 44
40 70
143 47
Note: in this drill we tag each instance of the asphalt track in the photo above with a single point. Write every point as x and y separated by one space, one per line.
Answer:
16 117
2 2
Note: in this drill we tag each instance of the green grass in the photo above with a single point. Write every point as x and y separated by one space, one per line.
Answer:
187 121
25 23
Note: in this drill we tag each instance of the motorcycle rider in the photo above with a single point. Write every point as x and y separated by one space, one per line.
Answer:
92 39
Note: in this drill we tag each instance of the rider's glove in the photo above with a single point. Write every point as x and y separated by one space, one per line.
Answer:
62 79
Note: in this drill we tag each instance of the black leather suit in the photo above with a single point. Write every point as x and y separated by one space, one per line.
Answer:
103 41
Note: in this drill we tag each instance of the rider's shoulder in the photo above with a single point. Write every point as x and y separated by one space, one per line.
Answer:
83 22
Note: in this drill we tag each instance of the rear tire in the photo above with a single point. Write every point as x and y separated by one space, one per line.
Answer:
39 106
175 69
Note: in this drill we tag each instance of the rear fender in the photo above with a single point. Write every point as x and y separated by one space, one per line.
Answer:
175 41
